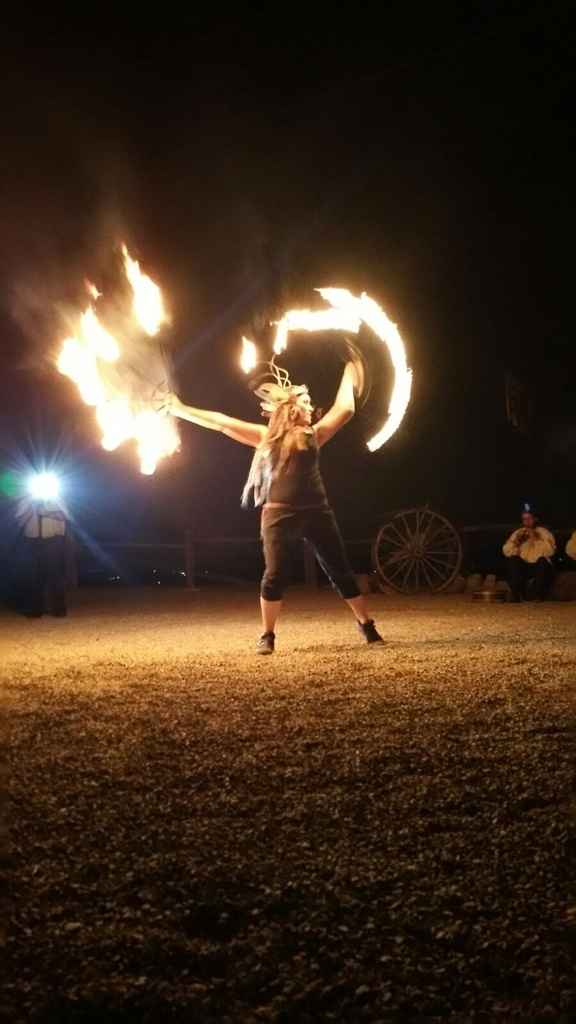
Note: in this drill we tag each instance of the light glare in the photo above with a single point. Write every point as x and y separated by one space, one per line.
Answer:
44 486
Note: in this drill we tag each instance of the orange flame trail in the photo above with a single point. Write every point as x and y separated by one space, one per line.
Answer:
102 368
249 356
347 312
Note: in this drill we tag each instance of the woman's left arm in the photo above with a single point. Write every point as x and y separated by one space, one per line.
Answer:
342 409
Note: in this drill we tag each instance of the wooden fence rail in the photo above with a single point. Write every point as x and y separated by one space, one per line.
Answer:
190 545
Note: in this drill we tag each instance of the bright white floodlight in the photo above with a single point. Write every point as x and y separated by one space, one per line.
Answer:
44 486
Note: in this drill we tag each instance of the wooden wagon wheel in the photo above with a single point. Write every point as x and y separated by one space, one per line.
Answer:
417 550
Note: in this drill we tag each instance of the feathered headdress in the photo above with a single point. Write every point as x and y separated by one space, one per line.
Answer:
273 393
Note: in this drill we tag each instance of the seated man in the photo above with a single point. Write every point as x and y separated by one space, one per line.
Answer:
571 547
530 550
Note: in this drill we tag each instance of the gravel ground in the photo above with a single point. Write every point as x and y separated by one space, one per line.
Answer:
333 834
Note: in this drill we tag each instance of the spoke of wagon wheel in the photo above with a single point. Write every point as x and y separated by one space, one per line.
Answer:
392 526
428 580
443 569
393 535
426 512
431 517
417 514
416 575
444 559
417 568
398 556
435 569
406 537
397 542
393 575
441 525
408 532
385 540
440 537
407 573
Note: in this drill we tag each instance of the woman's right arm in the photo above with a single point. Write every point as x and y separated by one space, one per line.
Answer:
251 434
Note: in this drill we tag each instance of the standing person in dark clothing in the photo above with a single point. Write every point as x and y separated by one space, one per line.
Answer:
286 481
44 529
529 551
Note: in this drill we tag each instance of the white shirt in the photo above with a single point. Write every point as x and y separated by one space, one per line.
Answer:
540 543
42 519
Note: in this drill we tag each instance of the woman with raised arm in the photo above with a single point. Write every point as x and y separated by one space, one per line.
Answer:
285 480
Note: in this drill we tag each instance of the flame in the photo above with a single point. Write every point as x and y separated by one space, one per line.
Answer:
92 358
92 290
374 316
249 356
78 363
116 419
346 312
281 339
156 437
97 339
79 356
314 320
147 304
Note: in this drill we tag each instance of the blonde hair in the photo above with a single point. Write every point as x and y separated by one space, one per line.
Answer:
273 455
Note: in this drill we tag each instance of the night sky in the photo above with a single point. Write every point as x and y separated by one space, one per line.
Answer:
428 164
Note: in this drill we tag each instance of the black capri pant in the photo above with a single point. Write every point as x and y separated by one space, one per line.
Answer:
281 527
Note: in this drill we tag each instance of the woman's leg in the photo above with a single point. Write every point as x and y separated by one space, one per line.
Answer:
270 612
322 531
359 606
277 533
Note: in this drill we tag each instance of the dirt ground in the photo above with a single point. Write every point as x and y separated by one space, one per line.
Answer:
335 833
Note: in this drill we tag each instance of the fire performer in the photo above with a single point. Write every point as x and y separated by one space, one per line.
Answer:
529 551
285 480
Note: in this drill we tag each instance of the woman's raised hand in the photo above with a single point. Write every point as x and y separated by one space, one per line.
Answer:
170 404
355 371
